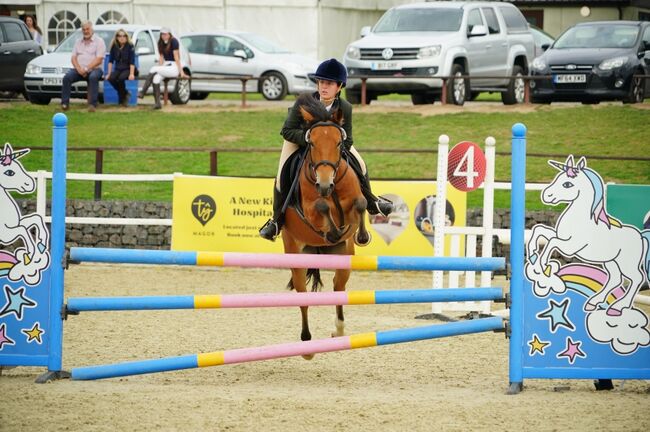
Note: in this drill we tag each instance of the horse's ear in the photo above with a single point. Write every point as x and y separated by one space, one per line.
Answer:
337 117
582 163
569 161
306 115
8 149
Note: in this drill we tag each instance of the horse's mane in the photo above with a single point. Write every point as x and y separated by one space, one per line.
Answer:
313 107
598 211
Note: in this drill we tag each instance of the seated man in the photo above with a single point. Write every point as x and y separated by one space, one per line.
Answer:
87 58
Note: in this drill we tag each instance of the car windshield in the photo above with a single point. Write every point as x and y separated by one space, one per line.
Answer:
598 36
540 36
420 20
68 43
263 44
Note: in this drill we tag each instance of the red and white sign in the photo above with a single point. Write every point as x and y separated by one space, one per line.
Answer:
466 166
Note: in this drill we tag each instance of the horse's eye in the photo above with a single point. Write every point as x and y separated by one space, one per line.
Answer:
10 173
567 185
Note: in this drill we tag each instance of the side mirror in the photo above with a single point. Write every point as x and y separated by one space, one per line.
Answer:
478 30
143 51
545 46
49 50
365 31
240 54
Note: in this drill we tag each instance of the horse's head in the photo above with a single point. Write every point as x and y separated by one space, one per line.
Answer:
325 138
568 184
12 173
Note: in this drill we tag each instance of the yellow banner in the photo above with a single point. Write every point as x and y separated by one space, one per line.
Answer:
225 214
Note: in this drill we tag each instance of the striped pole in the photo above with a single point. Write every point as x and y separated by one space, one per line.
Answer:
269 260
217 358
229 301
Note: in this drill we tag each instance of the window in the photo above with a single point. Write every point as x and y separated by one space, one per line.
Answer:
225 46
515 21
492 22
144 40
196 44
473 19
111 17
14 33
646 35
60 25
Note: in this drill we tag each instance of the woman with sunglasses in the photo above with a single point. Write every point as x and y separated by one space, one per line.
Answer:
122 54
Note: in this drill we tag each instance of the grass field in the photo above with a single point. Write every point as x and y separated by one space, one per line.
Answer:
606 130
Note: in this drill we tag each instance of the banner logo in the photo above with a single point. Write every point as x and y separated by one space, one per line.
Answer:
204 208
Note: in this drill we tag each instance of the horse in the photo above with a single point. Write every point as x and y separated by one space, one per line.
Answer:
584 230
329 216
13 225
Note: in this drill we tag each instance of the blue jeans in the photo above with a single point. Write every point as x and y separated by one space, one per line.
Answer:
73 76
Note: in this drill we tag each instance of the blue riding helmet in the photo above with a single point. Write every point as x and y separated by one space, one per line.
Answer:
331 70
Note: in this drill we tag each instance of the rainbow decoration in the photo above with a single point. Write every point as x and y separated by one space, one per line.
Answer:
228 301
587 280
269 260
242 355
7 261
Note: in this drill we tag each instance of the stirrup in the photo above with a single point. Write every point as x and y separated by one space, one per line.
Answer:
376 207
270 230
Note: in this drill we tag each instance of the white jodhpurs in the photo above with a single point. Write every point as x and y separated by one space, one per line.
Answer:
166 70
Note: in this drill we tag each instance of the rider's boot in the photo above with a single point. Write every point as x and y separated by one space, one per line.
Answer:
376 205
156 97
145 86
272 227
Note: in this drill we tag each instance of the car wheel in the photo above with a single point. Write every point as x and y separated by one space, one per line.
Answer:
637 91
39 99
273 86
182 92
199 95
515 92
457 88
422 98
354 97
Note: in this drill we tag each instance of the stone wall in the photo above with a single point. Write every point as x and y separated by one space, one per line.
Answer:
159 237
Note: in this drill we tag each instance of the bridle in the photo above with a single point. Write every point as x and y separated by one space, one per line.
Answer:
313 166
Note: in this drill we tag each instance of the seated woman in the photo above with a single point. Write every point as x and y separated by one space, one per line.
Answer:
331 77
122 54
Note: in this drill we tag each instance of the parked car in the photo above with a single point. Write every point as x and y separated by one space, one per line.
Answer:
44 74
17 48
542 39
279 71
595 61
442 39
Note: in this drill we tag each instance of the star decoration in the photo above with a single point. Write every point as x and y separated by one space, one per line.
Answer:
572 350
4 339
34 334
537 346
556 313
16 301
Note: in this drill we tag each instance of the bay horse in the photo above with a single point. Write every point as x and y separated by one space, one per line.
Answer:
329 216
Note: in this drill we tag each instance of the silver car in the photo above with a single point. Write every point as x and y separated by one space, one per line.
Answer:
44 74
279 71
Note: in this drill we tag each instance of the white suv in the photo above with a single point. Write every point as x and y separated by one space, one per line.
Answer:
438 39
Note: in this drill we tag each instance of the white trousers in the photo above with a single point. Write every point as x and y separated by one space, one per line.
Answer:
289 148
166 70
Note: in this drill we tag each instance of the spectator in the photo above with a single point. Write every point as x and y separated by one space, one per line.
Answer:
169 65
122 54
87 58
34 29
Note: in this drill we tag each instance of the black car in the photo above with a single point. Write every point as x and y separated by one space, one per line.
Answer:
595 61
17 48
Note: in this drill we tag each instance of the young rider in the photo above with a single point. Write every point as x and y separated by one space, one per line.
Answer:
331 77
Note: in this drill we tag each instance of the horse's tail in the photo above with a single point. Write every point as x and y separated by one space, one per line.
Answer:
646 255
313 275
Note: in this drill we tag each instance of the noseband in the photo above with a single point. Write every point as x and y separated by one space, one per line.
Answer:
313 166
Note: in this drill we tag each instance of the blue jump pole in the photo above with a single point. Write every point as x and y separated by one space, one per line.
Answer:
517 225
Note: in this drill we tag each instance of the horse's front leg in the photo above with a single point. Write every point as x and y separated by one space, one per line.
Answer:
12 233
35 220
341 278
362 237
332 234
542 231
299 281
568 247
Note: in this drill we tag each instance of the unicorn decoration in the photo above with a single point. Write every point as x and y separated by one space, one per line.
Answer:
585 231
30 229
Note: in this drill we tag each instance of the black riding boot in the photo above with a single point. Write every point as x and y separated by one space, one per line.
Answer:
272 227
156 96
145 86
376 205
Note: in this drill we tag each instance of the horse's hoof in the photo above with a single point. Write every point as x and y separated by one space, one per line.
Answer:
362 241
614 312
589 307
532 258
308 357
41 247
547 271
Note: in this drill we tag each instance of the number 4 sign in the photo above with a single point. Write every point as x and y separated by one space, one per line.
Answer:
466 166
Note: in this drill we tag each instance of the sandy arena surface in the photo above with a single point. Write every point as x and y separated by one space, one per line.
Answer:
445 384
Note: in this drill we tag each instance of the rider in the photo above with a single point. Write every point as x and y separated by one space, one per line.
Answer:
330 76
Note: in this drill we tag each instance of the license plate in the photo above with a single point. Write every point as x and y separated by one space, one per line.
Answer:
52 81
570 78
385 66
